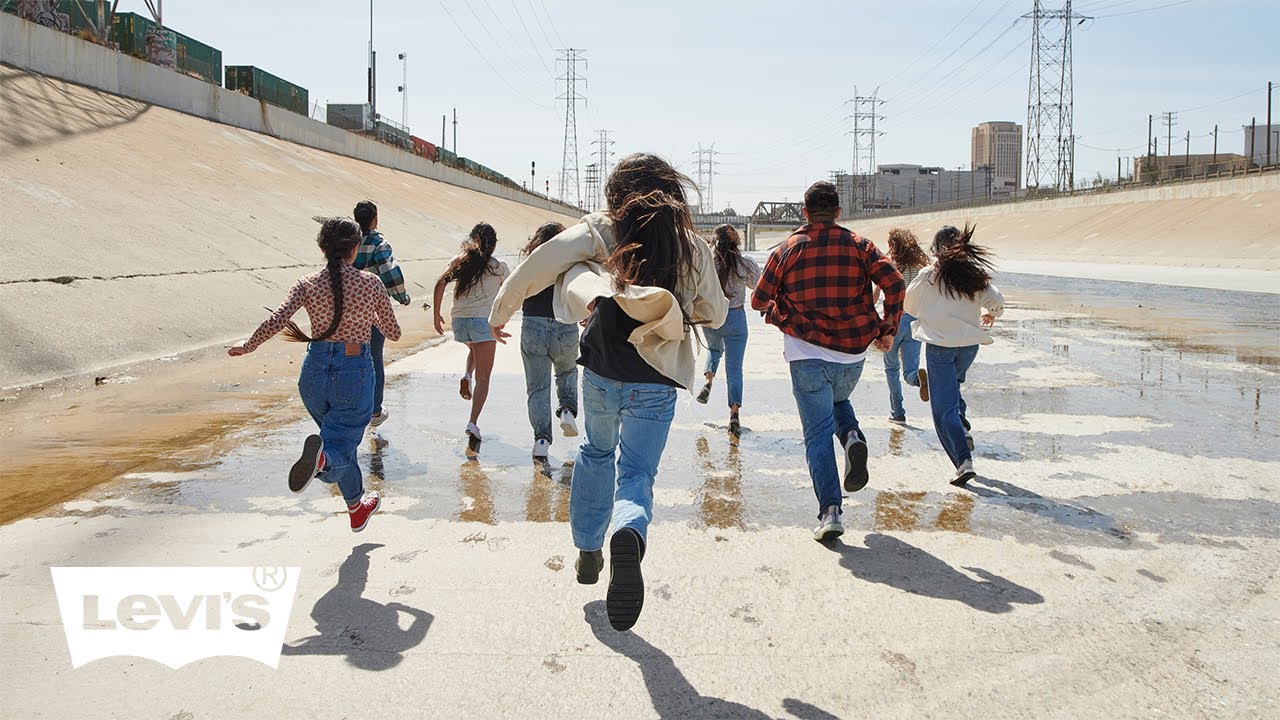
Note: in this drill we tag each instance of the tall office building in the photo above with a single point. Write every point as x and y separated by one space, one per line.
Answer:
998 145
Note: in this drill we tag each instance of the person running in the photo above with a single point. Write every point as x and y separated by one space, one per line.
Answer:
476 275
904 354
375 256
816 288
548 345
736 272
336 382
641 278
952 300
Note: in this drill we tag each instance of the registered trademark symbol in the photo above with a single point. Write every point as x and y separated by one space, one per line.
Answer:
270 579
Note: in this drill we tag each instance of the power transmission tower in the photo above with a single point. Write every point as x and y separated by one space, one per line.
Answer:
603 153
1170 119
706 175
592 183
866 114
570 191
1051 147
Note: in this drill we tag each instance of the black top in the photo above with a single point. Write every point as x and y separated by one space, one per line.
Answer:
607 351
539 305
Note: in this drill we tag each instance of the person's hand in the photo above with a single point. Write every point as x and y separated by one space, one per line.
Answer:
499 334
237 350
883 343
988 319
439 324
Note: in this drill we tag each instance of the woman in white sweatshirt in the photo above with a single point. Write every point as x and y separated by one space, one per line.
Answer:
952 300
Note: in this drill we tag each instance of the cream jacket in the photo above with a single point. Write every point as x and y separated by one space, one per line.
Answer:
946 321
573 262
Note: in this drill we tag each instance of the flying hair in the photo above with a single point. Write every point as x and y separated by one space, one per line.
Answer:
964 269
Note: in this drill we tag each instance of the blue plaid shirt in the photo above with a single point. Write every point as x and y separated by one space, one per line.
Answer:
374 255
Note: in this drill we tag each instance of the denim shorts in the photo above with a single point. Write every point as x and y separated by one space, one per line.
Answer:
471 330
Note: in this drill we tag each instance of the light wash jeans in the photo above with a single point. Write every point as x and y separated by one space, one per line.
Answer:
730 339
822 391
909 348
947 368
337 389
626 432
546 345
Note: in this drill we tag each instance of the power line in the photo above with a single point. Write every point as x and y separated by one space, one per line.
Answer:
532 43
501 46
486 60
937 42
541 29
1150 9
911 86
551 22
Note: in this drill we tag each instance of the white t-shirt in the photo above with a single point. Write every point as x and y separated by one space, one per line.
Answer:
479 299
793 349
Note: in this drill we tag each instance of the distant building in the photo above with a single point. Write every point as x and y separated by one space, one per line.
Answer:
906 185
998 146
1173 167
1255 144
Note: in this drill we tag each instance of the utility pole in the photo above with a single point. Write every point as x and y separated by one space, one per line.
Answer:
1170 119
444 121
533 175
373 70
864 145
1187 161
1050 101
404 90
1215 144
455 131
603 153
1268 162
570 189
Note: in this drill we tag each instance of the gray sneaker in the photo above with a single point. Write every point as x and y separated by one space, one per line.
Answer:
829 527
964 474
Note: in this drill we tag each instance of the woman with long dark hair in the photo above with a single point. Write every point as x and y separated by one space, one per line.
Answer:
952 300
548 346
904 354
476 275
642 279
737 273
337 377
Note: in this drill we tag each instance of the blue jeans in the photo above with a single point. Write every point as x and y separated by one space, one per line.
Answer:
545 345
822 391
731 338
947 368
376 342
337 389
909 348
611 487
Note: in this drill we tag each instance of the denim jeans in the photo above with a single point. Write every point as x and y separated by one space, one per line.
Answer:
337 389
822 391
626 431
730 338
909 348
376 342
546 345
947 368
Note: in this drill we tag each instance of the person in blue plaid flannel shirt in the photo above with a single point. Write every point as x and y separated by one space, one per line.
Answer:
374 255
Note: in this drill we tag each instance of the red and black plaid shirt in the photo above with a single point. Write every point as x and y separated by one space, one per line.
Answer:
816 286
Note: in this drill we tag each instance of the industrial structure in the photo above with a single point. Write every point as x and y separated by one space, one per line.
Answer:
570 180
1051 147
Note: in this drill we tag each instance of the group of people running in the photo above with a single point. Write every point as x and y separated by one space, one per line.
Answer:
625 294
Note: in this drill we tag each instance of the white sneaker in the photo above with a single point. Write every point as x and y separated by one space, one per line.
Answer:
568 423
964 474
541 448
829 527
473 441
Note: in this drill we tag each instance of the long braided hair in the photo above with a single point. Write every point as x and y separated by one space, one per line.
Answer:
337 238
467 268
728 253
964 269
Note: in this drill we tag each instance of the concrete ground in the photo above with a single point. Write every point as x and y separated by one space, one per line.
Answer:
1118 555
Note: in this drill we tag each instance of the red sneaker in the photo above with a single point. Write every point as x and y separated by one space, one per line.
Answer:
360 513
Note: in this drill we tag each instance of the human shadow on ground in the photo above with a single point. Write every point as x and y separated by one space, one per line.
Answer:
365 631
669 690
889 561
1080 517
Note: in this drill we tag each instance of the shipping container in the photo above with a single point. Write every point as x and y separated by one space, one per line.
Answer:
392 134
262 85
193 57
356 117
423 147
447 157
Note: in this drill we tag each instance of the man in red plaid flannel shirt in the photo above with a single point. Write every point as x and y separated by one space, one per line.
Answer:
816 287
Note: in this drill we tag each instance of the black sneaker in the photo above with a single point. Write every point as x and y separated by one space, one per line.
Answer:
735 425
310 462
625 597
922 376
855 464
589 565
705 395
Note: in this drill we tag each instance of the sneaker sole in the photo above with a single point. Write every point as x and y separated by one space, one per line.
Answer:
464 389
307 465
828 532
855 467
377 421
924 385
625 598
962 480
568 430
365 524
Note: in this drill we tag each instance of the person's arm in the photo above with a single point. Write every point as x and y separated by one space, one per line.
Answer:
767 286
542 268
709 304
386 321
886 277
438 299
273 324
992 303
389 272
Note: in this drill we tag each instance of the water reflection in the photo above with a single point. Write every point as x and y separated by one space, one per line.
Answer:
546 500
907 510
896 436
477 495
721 487
374 479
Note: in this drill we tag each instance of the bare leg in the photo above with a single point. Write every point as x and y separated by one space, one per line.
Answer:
481 358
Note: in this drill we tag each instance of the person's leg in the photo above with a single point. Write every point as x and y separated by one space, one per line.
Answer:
376 343
482 354
964 359
647 412
715 351
537 375
312 383
844 378
591 493
350 396
564 356
735 350
944 401
909 349
891 368
811 386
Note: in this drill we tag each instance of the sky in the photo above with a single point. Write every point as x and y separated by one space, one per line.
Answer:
767 82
